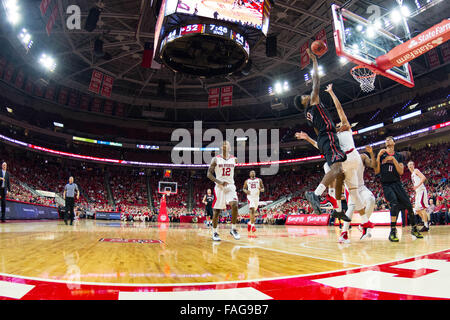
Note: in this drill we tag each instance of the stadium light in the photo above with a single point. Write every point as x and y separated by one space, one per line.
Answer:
12 11
396 16
25 38
343 60
405 11
281 87
47 62
370 32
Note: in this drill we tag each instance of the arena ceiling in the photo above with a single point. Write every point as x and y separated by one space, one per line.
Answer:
126 25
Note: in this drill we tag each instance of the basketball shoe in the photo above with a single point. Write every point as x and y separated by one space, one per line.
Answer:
215 236
416 233
235 234
340 215
365 229
329 199
314 200
344 237
393 235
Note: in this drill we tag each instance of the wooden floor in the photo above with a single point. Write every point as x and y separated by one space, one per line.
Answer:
51 250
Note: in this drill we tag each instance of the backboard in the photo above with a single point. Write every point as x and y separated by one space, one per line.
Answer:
166 186
362 42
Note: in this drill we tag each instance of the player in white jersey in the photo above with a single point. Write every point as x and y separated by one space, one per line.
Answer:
221 171
252 188
421 198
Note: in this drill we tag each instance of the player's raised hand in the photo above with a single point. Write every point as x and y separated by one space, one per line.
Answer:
311 54
329 88
301 135
382 151
369 149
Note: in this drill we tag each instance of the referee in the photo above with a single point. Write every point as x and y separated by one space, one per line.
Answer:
390 167
69 196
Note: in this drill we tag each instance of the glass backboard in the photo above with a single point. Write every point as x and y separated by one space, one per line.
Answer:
362 42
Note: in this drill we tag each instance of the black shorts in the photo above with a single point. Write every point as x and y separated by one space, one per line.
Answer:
209 212
395 194
328 144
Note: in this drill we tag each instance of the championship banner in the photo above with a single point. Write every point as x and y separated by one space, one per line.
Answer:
322 35
108 107
213 98
107 86
308 220
96 105
433 59
120 109
51 21
44 6
96 81
29 85
3 63
73 99
62 98
84 102
415 47
9 72
226 99
20 78
38 90
445 51
304 58
50 93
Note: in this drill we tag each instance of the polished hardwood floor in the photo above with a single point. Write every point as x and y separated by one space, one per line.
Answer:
108 252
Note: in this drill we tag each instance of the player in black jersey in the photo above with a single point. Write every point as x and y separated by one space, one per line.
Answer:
208 200
389 166
319 118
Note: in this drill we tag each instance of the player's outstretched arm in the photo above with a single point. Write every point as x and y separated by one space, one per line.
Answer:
204 199
338 106
422 178
261 185
304 136
210 174
378 161
373 161
316 79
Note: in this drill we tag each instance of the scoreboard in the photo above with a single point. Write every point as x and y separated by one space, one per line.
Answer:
209 29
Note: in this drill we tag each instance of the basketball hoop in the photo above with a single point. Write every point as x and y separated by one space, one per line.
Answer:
365 77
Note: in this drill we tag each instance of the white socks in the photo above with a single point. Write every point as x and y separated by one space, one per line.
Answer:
364 218
319 190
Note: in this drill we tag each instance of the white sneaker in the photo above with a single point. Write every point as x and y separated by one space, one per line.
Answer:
344 237
215 236
235 234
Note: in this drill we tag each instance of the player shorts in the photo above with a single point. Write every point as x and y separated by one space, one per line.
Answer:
421 199
224 195
395 194
209 211
328 144
350 168
253 202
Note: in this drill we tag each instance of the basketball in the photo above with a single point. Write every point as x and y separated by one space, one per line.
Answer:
318 47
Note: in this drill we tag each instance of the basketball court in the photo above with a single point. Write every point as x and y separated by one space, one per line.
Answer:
140 260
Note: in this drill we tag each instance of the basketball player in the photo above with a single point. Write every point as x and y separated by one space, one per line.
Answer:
222 166
390 167
208 201
319 118
252 188
421 199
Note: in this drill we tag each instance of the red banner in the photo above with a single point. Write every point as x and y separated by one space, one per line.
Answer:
96 104
62 98
415 47
44 6
445 50
51 21
29 85
84 102
108 107
73 99
322 35
226 91
3 63
226 101
304 58
213 98
107 86
50 93
308 220
433 58
96 81
9 72
20 78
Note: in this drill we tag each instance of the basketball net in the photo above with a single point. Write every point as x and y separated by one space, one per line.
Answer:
365 77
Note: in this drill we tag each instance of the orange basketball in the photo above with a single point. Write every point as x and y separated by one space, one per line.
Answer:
318 47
